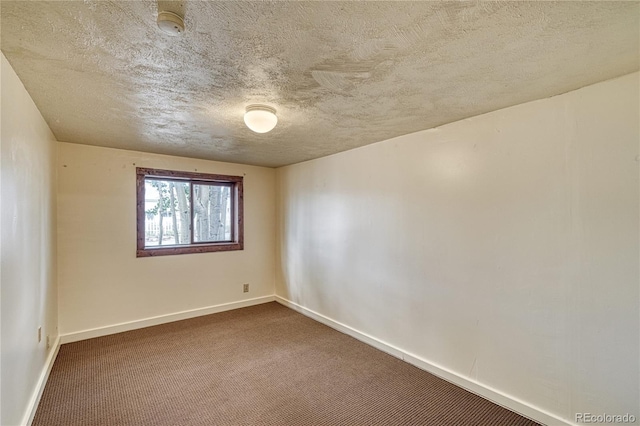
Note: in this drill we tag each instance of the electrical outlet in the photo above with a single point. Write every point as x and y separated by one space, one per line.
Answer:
245 288
39 334
48 342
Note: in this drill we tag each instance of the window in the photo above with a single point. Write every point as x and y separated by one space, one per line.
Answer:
187 212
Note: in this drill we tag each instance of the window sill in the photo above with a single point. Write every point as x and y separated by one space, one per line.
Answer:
203 248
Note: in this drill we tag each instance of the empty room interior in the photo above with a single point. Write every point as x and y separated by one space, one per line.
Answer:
319 213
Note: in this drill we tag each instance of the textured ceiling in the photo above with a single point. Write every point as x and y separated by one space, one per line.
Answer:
340 74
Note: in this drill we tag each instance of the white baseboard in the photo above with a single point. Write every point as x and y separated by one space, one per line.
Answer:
500 398
42 381
160 319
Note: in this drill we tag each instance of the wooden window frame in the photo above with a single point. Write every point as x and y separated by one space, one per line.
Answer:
237 212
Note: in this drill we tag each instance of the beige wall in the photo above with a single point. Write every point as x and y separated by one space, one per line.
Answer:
28 278
102 283
503 247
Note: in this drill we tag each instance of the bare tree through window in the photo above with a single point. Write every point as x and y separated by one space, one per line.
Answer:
187 212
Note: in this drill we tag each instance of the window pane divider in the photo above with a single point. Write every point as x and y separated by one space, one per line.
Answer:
192 224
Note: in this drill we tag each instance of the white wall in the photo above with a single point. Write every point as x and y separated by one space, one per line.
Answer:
28 261
102 283
502 247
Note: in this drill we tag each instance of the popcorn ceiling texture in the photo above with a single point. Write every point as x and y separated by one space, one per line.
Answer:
340 74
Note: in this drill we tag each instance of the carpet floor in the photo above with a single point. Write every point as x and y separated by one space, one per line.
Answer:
262 365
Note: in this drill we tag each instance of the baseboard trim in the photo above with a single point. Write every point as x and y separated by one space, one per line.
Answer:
42 381
493 395
160 319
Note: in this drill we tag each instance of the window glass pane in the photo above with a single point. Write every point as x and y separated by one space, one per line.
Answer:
187 212
212 213
167 213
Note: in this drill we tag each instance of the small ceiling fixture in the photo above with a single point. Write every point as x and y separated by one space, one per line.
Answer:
170 23
260 118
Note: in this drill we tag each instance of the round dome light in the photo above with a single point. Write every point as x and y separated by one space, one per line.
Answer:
260 118
170 23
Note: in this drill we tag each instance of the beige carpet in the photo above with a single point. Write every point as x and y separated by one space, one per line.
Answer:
263 365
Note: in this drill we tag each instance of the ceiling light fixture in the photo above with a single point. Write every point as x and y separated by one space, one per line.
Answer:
170 23
260 118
